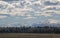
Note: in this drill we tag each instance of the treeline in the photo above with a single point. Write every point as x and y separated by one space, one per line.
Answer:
38 29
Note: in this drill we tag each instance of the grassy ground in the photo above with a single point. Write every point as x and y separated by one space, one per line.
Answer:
28 35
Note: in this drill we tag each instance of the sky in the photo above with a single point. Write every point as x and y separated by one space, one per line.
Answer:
27 12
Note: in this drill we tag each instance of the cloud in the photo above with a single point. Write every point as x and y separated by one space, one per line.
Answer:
53 21
28 18
10 0
19 8
37 14
2 17
46 14
51 3
57 12
12 10
23 11
6 3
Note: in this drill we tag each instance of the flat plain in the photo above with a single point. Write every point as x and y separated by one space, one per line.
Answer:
28 35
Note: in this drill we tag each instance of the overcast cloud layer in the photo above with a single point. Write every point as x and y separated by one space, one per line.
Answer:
26 12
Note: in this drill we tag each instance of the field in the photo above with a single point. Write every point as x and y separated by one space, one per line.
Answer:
28 35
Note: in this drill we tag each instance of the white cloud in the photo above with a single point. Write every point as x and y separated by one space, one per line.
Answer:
22 11
37 14
23 14
45 14
57 12
1 17
5 3
53 21
24 8
58 0
28 18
